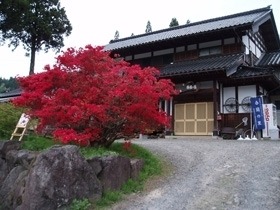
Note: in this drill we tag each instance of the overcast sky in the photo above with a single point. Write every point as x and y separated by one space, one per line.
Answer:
95 23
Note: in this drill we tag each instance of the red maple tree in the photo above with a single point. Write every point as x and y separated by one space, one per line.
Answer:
90 98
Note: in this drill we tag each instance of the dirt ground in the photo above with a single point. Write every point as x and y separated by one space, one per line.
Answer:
206 173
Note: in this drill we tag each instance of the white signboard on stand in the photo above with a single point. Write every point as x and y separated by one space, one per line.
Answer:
23 120
270 119
20 127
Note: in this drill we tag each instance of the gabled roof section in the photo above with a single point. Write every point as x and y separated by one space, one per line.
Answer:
230 21
228 63
250 72
269 60
246 75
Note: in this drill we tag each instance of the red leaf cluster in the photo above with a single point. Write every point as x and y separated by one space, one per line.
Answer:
89 97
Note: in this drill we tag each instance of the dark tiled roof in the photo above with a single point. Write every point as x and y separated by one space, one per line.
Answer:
206 64
269 59
11 93
249 72
240 19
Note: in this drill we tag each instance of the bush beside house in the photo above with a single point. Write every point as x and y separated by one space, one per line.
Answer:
9 116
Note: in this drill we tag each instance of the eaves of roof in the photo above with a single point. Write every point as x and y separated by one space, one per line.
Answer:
250 72
10 94
7 99
230 21
246 75
269 60
202 65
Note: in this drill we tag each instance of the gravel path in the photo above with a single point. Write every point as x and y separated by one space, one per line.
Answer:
212 174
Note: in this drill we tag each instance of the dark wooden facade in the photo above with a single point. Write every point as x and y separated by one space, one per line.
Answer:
218 60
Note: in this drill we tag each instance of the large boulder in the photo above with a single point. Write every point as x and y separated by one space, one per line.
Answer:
3 170
96 164
58 176
6 146
136 167
13 187
53 178
115 172
21 157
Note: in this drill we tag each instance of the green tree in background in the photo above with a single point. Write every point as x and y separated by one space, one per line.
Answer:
148 27
2 88
188 22
7 85
38 25
174 22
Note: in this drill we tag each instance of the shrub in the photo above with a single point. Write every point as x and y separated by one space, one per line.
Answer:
9 116
83 204
90 98
37 143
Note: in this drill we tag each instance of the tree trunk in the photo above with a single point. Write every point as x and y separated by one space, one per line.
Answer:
32 60
103 142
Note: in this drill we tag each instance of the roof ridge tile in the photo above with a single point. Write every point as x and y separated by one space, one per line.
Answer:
193 24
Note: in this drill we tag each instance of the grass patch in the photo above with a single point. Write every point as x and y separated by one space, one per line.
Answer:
108 198
89 152
37 143
83 204
152 167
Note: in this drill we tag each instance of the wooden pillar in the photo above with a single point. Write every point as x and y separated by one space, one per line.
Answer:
169 103
236 97
166 107
171 106
215 104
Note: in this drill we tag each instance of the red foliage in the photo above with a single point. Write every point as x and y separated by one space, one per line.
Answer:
89 97
127 146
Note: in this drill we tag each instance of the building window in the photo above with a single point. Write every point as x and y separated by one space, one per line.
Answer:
146 62
143 55
191 47
163 52
167 59
277 104
210 51
180 49
210 44
128 58
229 41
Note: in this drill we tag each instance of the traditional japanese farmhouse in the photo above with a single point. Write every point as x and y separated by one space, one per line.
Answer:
217 65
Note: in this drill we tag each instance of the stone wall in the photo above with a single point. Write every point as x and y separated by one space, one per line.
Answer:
53 178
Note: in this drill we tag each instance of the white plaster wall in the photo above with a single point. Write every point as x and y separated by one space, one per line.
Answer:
244 91
228 92
245 40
